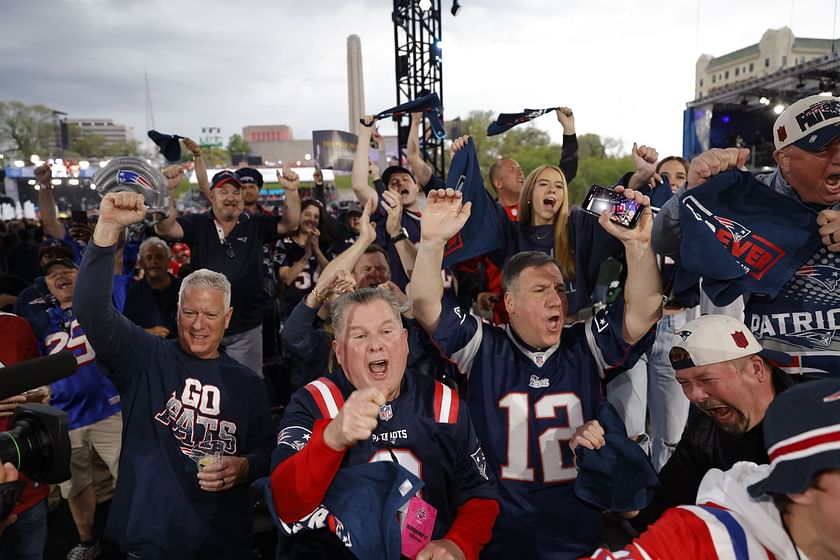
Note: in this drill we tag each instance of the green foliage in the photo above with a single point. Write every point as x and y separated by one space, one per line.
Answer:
26 129
237 145
532 147
90 145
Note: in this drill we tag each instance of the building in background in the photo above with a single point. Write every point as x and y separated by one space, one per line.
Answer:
778 49
355 83
111 131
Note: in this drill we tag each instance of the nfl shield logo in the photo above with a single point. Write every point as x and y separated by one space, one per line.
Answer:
740 339
385 413
539 359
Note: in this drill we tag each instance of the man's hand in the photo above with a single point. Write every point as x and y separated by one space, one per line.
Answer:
367 229
173 173
225 474
288 179
365 128
442 549
8 473
589 435
639 234
356 420
486 300
458 144
566 118
715 161
829 222
8 406
192 146
392 203
444 215
402 299
644 160
43 175
116 211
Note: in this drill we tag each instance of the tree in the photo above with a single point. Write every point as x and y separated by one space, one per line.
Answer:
590 145
237 145
91 145
26 129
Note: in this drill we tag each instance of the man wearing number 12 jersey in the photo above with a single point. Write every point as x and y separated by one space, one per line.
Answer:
531 383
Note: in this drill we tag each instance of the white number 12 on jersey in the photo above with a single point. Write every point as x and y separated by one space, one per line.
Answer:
550 441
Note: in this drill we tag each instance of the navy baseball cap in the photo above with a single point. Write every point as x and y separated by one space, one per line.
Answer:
355 208
224 177
57 247
802 436
386 175
64 261
250 176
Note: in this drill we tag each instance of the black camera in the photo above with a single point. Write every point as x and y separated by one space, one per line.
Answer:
38 443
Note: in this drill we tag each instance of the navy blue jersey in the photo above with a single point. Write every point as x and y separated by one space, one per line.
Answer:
591 245
148 307
288 253
175 407
425 428
526 405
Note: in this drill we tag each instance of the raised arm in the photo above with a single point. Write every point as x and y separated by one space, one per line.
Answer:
393 226
569 151
169 227
46 203
643 287
443 217
359 177
200 167
422 170
644 160
290 181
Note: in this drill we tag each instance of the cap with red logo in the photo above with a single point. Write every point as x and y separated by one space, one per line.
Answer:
811 123
712 339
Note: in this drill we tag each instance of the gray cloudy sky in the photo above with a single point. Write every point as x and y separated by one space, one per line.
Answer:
625 66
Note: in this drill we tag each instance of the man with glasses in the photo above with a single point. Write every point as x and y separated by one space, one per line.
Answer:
230 241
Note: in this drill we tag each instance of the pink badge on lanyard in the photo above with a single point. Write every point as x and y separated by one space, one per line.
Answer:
418 526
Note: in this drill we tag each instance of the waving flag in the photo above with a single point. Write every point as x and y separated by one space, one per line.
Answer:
429 105
506 121
481 233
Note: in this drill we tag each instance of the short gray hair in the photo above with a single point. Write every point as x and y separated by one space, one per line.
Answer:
208 280
155 242
363 296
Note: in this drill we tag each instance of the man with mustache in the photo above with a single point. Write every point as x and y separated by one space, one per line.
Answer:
730 377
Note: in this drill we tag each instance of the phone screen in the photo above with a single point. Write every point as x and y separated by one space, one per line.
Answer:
623 211
78 217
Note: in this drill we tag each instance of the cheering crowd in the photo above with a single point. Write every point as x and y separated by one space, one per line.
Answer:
434 371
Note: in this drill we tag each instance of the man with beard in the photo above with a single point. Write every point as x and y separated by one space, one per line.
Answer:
728 375
230 241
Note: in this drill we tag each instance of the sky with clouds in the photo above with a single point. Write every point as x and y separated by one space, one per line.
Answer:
626 67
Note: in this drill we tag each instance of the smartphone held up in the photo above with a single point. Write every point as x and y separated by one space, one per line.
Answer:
623 211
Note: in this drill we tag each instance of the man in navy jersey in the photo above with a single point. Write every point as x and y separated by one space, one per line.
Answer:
531 383
372 409
197 428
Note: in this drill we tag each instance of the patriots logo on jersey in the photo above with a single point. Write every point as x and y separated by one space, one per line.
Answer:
817 337
126 177
535 382
480 462
823 275
295 437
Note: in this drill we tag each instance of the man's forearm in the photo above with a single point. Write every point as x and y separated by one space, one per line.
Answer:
642 291
201 175
359 177
427 284
291 214
49 219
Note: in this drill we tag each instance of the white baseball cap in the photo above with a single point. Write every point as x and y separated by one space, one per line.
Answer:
810 123
711 339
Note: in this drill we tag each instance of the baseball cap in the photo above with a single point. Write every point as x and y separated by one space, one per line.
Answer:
811 123
58 247
386 175
223 177
249 175
712 339
802 436
63 261
354 208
